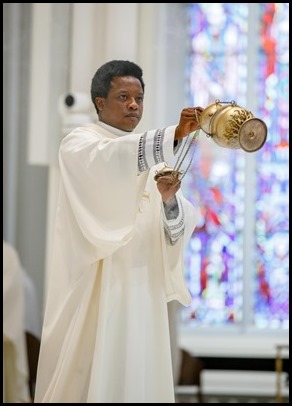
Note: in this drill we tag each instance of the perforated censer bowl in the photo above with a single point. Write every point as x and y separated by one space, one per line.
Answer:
232 126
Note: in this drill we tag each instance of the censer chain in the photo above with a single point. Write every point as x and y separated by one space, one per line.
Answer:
184 153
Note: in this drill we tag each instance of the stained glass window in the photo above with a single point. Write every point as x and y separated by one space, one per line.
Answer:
239 251
271 307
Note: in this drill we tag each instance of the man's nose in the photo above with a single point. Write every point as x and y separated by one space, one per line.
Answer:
133 103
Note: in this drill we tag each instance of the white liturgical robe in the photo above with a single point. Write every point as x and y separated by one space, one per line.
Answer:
105 337
15 362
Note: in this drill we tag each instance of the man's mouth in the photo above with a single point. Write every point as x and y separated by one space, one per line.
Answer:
133 116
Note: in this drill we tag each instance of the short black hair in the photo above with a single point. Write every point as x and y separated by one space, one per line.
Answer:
101 81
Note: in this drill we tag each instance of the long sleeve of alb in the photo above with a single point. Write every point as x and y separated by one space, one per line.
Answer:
151 152
173 220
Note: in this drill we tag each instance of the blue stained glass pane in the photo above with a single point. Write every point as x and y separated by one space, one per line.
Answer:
216 178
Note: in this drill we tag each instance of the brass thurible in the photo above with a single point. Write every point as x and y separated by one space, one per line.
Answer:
229 126
232 126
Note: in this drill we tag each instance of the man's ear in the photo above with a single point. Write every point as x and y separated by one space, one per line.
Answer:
99 102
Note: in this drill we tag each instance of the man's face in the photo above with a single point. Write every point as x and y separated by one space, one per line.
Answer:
123 106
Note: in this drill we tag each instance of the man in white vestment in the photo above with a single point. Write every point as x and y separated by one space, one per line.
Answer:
15 362
118 253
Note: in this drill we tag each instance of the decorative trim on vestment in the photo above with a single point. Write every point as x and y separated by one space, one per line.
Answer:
174 227
157 146
142 161
151 154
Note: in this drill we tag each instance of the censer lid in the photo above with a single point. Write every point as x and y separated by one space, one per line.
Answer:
252 134
167 171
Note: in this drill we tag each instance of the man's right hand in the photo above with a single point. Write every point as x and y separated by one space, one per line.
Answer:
189 121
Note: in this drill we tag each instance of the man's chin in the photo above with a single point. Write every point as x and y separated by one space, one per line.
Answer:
131 124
